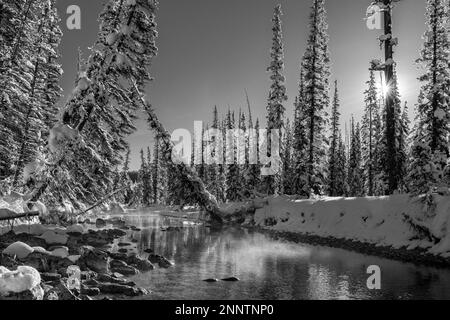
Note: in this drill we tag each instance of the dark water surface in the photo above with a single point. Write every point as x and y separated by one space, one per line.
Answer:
268 268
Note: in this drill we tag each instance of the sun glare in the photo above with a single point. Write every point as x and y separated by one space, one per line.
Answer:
383 89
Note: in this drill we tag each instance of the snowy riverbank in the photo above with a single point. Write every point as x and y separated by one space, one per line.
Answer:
398 221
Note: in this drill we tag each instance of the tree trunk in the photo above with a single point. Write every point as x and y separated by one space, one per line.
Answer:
390 112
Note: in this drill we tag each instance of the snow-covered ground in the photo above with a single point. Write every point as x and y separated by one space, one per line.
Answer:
397 221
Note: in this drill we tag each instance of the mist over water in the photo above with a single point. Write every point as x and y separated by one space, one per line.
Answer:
268 268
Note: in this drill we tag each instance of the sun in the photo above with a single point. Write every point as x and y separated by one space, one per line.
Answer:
383 89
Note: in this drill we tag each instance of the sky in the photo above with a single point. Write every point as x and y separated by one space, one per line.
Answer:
211 51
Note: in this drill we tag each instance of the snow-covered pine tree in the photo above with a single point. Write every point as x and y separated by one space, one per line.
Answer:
253 172
288 172
125 181
145 174
404 146
242 154
18 27
87 141
390 180
316 72
334 144
341 168
300 142
430 151
277 97
253 177
355 176
215 146
422 172
233 180
200 167
155 171
370 125
52 91
44 90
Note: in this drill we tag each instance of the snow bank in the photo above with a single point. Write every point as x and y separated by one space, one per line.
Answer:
16 203
397 221
24 278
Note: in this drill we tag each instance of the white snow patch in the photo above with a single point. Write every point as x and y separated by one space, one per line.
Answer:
24 278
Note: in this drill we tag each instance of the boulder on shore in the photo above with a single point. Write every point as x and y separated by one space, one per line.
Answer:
18 249
94 259
23 279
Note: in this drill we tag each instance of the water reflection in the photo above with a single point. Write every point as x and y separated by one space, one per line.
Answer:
268 269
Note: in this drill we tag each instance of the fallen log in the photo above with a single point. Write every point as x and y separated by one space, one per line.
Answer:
20 215
110 195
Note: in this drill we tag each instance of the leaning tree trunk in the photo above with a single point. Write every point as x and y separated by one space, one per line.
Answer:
203 197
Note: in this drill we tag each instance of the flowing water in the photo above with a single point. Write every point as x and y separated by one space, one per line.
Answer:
267 268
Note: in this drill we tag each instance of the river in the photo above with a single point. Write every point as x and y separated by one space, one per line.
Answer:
267 268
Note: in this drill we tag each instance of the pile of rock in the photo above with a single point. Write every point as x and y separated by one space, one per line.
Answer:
40 257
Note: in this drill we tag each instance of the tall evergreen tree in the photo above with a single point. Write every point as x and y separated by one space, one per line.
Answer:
403 148
430 147
18 25
233 181
100 113
125 180
354 177
300 142
341 187
145 175
317 72
389 178
156 171
334 145
215 177
44 89
288 172
277 97
369 136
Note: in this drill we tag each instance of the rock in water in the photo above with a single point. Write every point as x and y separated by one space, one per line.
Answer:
23 279
100 223
124 244
113 288
230 279
19 249
160 260
139 263
122 268
94 259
